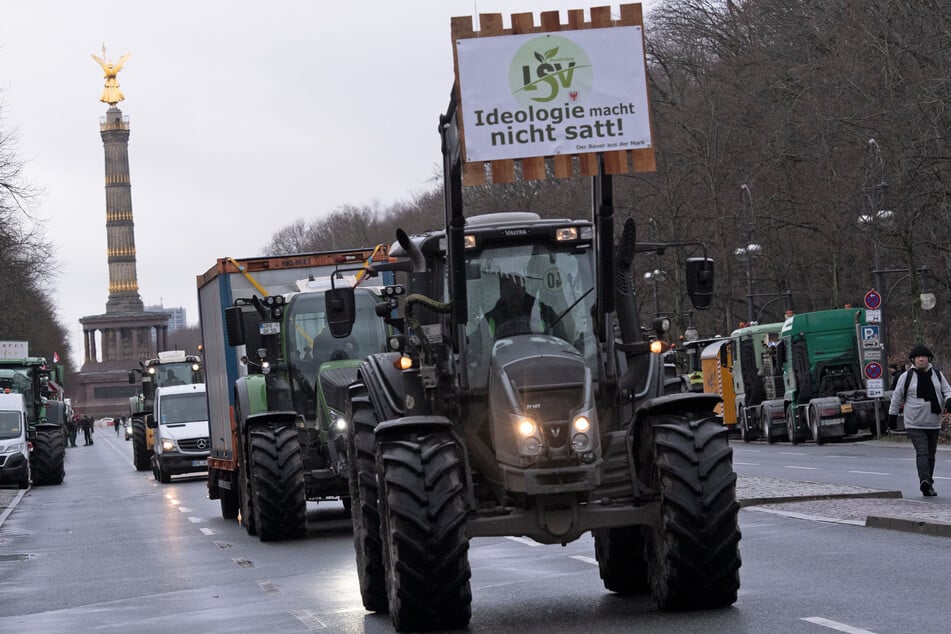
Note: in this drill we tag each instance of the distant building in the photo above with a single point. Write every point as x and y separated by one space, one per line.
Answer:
176 320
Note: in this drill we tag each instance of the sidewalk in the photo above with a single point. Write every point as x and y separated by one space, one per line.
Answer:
817 501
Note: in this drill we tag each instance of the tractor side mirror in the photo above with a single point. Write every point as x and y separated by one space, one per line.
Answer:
700 282
341 310
150 421
234 325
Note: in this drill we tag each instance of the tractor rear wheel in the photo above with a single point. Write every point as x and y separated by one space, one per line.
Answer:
140 451
49 456
620 554
423 511
277 483
364 510
694 557
227 498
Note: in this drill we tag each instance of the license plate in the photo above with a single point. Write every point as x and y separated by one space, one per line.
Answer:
832 421
845 408
199 463
269 328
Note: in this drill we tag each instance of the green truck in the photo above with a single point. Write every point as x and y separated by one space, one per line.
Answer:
826 359
758 382
41 384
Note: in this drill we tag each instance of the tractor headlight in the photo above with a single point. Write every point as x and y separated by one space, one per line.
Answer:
581 424
527 436
338 422
169 444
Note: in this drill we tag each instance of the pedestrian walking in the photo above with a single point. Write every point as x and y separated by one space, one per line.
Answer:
72 426
87 430
922 393
117 422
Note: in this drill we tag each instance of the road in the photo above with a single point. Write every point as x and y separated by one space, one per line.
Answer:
111 550
873 464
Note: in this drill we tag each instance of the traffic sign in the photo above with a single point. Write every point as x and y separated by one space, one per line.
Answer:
873 370
869 335
873 316
875 387
873 299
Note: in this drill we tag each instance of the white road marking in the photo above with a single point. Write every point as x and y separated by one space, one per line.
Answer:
791 453
805 516
870 472
941 478
587 560
195 520
747 464
835 625
207 531
184 509
789 466
739 450
268 586
524 540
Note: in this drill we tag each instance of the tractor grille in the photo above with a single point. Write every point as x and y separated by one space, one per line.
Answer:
198 445
552 406
335 385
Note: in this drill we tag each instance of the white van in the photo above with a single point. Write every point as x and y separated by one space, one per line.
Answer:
14 447
180 421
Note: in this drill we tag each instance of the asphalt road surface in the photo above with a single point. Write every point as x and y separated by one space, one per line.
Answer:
111 550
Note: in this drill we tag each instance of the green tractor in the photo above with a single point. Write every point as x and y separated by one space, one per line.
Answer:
42 387
290 406
522 398
170 367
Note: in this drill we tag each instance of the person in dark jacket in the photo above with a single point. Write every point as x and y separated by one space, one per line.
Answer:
87 430
925 395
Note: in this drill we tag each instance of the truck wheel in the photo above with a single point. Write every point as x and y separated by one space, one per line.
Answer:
814 425
745 433
621 562
364 511
24 482
423 512
140 450
163 476
228 499
277 483
694 557
49 456
768 432
791 426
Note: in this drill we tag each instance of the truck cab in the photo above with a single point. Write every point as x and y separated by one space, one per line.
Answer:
180 426
14 446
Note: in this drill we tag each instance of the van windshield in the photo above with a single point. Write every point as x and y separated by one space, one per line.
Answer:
10 425
184 408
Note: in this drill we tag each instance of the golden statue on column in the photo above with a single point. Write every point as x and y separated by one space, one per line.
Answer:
111 93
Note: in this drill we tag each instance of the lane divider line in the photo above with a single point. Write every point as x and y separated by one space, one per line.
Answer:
835 625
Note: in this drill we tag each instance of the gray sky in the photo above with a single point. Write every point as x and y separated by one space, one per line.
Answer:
244 117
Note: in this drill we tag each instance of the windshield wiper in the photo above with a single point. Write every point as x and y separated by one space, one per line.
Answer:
567 310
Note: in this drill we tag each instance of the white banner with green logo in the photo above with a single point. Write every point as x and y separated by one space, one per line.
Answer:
544 94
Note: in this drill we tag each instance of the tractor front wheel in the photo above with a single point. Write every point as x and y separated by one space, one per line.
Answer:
364 511
277 483
694 557
141 455
423 510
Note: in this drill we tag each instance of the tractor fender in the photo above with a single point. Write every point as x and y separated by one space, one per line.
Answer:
381 382
677 404
251 400
414 423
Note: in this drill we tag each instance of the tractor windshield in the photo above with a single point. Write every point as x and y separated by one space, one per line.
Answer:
309 342
176 374
529 289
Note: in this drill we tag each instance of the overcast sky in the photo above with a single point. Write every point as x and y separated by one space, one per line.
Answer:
244 117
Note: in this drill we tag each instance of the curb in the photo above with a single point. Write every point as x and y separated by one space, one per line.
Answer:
922 527
821 496
12 505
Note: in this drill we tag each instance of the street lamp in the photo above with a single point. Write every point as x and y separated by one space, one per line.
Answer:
747 253
655 277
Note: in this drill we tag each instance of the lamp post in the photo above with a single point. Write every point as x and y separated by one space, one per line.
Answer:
655 277
875 214
747 254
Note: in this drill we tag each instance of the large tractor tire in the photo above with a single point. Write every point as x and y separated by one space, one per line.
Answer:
141 454
364 511
423 511
277 483
620 554
694 557
49 456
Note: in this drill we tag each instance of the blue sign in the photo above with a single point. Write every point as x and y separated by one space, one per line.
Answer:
873 370
869 333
